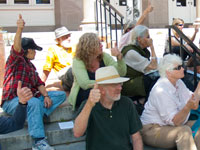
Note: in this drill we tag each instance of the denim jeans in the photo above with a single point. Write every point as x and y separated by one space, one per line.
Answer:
36 111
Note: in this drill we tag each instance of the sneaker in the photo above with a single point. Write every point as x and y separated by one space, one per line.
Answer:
42 145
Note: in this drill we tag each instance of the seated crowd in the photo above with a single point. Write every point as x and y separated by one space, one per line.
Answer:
102 90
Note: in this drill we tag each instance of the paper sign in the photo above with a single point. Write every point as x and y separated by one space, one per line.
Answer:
66 125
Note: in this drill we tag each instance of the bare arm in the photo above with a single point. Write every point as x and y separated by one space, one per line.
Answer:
137 141
153 64
47 100
180 117
17 39
45 75
145 13
81 122
195 33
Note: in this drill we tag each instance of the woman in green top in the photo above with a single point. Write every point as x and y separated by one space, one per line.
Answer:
88 58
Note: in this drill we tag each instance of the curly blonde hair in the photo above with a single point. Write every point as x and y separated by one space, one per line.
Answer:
87 47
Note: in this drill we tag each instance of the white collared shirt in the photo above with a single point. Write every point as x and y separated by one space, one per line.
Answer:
164 102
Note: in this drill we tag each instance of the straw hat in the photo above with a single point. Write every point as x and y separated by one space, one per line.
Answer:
108 75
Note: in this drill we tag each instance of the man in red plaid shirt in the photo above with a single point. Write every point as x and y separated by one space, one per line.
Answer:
19 67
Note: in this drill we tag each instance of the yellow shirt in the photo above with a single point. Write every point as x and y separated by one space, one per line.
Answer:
58 58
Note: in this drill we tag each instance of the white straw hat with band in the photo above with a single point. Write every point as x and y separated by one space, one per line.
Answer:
108 75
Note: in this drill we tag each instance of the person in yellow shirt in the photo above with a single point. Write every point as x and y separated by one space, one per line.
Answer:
59 57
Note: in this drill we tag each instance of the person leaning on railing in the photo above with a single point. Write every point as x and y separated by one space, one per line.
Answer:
179 23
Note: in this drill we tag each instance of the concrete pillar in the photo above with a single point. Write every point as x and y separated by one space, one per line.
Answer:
88 23
2 60
197 21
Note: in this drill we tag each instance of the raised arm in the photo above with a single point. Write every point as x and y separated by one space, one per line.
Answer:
81 122
145 13
196 29
17 39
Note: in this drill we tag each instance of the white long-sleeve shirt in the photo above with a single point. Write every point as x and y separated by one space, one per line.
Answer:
164 102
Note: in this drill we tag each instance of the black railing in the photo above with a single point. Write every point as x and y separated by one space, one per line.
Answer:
109 18
196 50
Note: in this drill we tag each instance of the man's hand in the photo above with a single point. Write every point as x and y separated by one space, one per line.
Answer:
20 22
150 7
47 102
94 95
24 93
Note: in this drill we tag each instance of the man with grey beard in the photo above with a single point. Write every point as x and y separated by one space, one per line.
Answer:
108 119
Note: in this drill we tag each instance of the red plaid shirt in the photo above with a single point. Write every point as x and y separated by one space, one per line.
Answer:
20 68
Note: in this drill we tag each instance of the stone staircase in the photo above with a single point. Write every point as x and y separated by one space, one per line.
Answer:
57 137
60 139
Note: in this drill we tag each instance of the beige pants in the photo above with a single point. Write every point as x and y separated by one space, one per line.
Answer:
171 136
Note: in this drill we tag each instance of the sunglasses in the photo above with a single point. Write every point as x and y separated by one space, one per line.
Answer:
178 67
180 25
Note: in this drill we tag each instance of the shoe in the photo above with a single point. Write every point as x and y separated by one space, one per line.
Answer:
42 145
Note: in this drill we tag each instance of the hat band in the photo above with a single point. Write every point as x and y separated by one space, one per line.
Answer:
107 78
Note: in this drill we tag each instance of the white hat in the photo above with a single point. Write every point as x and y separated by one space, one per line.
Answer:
108 75
62 31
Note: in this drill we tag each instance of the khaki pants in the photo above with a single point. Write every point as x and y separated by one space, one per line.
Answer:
171 136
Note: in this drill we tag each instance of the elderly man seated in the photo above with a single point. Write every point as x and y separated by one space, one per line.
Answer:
165 117
108 118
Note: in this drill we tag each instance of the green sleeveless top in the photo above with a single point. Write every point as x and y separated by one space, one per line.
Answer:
135 86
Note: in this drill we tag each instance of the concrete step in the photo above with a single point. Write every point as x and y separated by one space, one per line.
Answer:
81 146
20 139
60 114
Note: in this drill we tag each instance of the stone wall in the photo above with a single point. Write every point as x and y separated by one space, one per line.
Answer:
158 18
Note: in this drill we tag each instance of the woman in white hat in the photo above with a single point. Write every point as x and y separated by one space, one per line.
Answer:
88 58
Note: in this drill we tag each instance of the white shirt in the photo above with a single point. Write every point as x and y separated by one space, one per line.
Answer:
136 61
164 102
125 40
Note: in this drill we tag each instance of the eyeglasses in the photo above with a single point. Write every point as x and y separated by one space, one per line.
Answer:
178 67
180 25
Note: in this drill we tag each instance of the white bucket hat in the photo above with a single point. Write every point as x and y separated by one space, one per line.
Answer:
62 31
108 75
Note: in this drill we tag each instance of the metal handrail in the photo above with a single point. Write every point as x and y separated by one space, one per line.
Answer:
196 50
109 13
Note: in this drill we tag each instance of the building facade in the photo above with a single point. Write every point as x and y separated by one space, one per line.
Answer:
46 15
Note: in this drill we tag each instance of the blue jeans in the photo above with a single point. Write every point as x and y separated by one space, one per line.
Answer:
36 111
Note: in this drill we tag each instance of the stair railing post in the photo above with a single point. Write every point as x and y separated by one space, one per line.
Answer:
116 28
106 32
110 20
97 15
